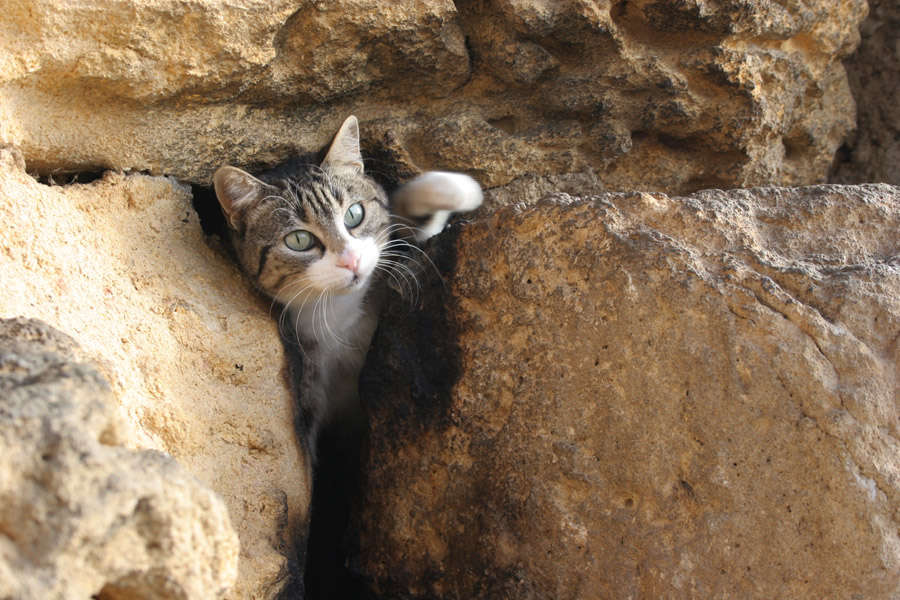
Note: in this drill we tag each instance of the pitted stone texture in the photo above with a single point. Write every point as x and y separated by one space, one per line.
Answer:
873 151
194 359
663 95
81 516
635 395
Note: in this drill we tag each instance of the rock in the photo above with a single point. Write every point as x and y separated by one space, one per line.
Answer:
635 395
81 516
193 358
873 150
710 93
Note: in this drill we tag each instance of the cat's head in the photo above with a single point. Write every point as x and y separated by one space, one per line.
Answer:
311 229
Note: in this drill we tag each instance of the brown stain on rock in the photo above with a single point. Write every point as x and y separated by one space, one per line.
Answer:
659 397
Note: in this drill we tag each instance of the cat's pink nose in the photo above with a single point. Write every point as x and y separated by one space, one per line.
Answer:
349 259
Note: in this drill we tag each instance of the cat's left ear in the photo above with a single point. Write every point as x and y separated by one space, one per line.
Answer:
344 154
237 191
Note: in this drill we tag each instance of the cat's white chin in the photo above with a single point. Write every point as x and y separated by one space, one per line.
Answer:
354 285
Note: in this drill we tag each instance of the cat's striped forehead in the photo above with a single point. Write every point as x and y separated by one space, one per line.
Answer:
315 197
321 198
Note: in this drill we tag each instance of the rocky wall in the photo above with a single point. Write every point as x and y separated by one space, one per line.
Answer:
636 395
680 396
81 516
192 357
572 94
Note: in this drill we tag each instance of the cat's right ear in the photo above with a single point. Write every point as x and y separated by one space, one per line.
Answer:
237 191
343 154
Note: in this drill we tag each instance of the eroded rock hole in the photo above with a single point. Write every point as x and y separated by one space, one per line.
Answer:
212 221
506 124
335 488
58 179
617 11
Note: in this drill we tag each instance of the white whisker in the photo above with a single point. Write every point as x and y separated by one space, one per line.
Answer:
406 224
341 342
421 254
288 306
390 273
398 270
386 232
278 294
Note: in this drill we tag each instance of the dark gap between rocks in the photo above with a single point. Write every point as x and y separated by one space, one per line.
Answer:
61 179
212 221
335 480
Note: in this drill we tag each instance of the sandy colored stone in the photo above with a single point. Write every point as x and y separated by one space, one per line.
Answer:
643 396
193 357
652 94
80 515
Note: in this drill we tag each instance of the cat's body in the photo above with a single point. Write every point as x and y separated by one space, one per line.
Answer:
320 239
335 357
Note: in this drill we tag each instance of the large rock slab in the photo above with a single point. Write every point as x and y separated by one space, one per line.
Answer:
572 93
635 395
81 516
193 358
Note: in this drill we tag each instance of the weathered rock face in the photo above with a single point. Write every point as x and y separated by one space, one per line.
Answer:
80 515
545 94
685 422
193 359
874 149
633 395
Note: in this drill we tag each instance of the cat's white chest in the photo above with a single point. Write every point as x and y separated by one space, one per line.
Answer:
330 322
335 335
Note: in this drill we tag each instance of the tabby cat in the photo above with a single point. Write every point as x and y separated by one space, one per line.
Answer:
321 240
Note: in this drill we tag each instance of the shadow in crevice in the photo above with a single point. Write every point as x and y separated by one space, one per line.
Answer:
212 221
335 488
317 563
320 570
61 179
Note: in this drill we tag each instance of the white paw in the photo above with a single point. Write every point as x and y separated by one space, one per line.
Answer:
439 191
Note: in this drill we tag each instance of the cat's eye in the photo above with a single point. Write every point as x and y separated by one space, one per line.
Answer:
300 240
354 215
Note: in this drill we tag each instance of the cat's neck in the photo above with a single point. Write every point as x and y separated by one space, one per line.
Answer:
335 322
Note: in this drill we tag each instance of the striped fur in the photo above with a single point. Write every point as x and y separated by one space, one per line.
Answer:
330 292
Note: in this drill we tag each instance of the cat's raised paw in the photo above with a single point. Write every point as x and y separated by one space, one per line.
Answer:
428 200
439 190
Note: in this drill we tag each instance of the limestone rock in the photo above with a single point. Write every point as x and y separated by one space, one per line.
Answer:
635 395
80 515
710 93
873 151
193 358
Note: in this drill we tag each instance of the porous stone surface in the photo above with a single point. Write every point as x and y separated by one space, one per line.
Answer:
562 94
192 356
873 150
81 516
643 396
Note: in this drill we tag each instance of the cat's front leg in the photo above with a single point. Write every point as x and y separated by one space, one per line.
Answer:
425 203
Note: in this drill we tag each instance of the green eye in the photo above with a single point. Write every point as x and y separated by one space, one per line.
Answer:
354 215
299 240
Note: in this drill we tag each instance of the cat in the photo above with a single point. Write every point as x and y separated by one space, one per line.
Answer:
321 241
